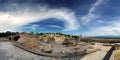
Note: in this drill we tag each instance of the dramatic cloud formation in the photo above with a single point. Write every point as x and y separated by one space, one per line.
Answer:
86 17
23 15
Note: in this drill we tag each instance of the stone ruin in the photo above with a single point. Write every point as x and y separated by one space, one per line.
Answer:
69 42
29 41
45 43
50 40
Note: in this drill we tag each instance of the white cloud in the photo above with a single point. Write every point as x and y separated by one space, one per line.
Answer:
97 3
34 27
54 26
110 30
100 21
21 16
91 15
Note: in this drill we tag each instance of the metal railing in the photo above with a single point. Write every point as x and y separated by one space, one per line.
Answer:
109 53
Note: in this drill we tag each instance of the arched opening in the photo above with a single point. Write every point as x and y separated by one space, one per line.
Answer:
16 38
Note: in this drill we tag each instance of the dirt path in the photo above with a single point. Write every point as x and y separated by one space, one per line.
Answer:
99 55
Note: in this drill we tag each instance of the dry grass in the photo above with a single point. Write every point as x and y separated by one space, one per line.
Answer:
117 55
30 43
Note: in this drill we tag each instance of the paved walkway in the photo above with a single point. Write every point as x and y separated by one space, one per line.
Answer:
99 55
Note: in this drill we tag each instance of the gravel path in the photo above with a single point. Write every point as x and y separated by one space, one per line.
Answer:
11 52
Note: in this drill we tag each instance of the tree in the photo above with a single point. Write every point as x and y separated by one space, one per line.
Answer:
41 33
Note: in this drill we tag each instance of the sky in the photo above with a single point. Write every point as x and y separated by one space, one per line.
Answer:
78 17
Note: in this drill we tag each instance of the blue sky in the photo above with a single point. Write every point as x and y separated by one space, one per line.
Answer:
86 17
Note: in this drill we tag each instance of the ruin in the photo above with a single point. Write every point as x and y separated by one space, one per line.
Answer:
47 44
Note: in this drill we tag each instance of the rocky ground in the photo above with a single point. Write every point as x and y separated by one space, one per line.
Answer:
3 39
